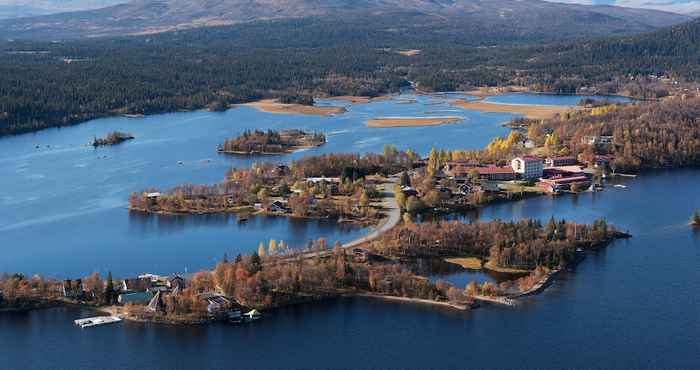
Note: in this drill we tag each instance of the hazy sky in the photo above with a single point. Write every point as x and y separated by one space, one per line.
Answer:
678 6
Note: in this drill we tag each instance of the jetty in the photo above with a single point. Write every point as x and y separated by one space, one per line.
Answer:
96 321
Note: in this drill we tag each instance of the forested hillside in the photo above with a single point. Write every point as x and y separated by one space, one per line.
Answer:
52 84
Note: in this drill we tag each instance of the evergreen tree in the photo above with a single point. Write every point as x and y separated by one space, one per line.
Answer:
109 290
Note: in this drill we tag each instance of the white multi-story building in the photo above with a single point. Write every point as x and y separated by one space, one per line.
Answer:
529 167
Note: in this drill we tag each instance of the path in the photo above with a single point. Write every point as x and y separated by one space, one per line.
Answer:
391 210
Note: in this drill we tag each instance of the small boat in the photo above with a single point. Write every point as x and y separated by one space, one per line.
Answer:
620 186
95 321
253 315
180 162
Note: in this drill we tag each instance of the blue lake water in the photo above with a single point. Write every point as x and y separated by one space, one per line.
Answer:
632 305
63 203
548 99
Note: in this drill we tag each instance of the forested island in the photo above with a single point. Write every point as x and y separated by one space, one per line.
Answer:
271 142
112 138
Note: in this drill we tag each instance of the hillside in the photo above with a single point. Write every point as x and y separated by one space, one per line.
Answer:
48 84
493 20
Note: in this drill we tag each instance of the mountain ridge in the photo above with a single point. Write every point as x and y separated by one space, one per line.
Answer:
514 16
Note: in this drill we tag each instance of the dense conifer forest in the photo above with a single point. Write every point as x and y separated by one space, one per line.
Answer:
49 84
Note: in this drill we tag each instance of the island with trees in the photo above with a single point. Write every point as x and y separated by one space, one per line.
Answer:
112 138
271 142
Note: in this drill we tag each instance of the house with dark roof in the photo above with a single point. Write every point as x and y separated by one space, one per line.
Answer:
137 285
73 289
176 281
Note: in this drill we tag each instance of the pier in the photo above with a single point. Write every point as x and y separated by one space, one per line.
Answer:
96 321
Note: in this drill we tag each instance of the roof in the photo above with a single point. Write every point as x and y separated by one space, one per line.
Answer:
138 284
566 180
569 169
494 170
156 303
135 297
530 158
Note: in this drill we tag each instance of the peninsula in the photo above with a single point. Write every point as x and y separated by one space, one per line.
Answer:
529 111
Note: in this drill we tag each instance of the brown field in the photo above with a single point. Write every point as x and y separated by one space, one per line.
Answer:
412 122
273 106
470 263
492 266
529 111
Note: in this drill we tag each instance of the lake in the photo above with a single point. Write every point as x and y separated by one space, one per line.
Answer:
632 305
63 203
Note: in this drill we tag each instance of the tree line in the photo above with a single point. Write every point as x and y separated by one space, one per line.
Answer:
58 84
524 245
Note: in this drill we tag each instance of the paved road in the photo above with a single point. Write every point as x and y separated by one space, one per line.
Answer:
390 209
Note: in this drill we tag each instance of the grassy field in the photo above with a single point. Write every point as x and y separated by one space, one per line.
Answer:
492 266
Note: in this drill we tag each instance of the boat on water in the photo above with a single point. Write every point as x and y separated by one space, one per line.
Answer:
620 186
96 321
253 315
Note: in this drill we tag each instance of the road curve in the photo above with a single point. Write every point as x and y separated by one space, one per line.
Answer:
391 210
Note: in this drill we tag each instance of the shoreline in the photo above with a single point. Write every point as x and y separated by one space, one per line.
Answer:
454 306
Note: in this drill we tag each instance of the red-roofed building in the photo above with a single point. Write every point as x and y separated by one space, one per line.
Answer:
492 173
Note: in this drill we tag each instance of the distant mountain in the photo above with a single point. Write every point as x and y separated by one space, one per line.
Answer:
513 19
20 11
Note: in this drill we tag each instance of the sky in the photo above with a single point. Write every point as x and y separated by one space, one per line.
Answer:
677 6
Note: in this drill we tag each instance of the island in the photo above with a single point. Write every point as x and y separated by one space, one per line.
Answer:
271 142
112 138
280 106
412 121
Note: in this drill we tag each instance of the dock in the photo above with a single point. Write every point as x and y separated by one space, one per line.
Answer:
96 321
